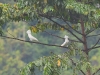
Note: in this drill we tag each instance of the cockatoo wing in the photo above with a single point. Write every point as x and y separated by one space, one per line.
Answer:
32 38
65 42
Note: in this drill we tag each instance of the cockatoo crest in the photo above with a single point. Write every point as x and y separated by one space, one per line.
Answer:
28 32
66 36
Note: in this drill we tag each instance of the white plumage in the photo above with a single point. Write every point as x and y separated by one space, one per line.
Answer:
66 41
32 38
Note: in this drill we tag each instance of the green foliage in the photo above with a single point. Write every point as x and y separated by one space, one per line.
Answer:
55 64
73 11
25 10
49 65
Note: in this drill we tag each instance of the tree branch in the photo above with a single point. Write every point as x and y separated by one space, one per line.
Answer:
61 26
90 31
11 34
50 33
96 43
93 47
96 71
33 42
71 27
68 30
93 35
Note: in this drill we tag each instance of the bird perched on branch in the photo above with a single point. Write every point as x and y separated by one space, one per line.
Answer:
32 38
66 41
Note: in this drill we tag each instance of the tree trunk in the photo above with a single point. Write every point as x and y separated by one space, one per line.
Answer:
85 45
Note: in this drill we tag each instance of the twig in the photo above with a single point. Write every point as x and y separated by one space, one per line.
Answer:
34 42
96 43
93 35
93 47
74 40
11 34
96 71
90 31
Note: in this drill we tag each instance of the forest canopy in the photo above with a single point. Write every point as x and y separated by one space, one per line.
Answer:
50 21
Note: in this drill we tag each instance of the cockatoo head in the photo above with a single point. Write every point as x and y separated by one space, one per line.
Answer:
28 32
66 36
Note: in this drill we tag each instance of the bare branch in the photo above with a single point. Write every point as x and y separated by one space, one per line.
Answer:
50 33
68 30
56 35
74 40
96 43
90 31
61 26
96 71
10 34
93 35
71 27
93 47
33 42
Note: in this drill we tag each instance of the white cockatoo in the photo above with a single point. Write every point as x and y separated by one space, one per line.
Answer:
32 38
66 41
